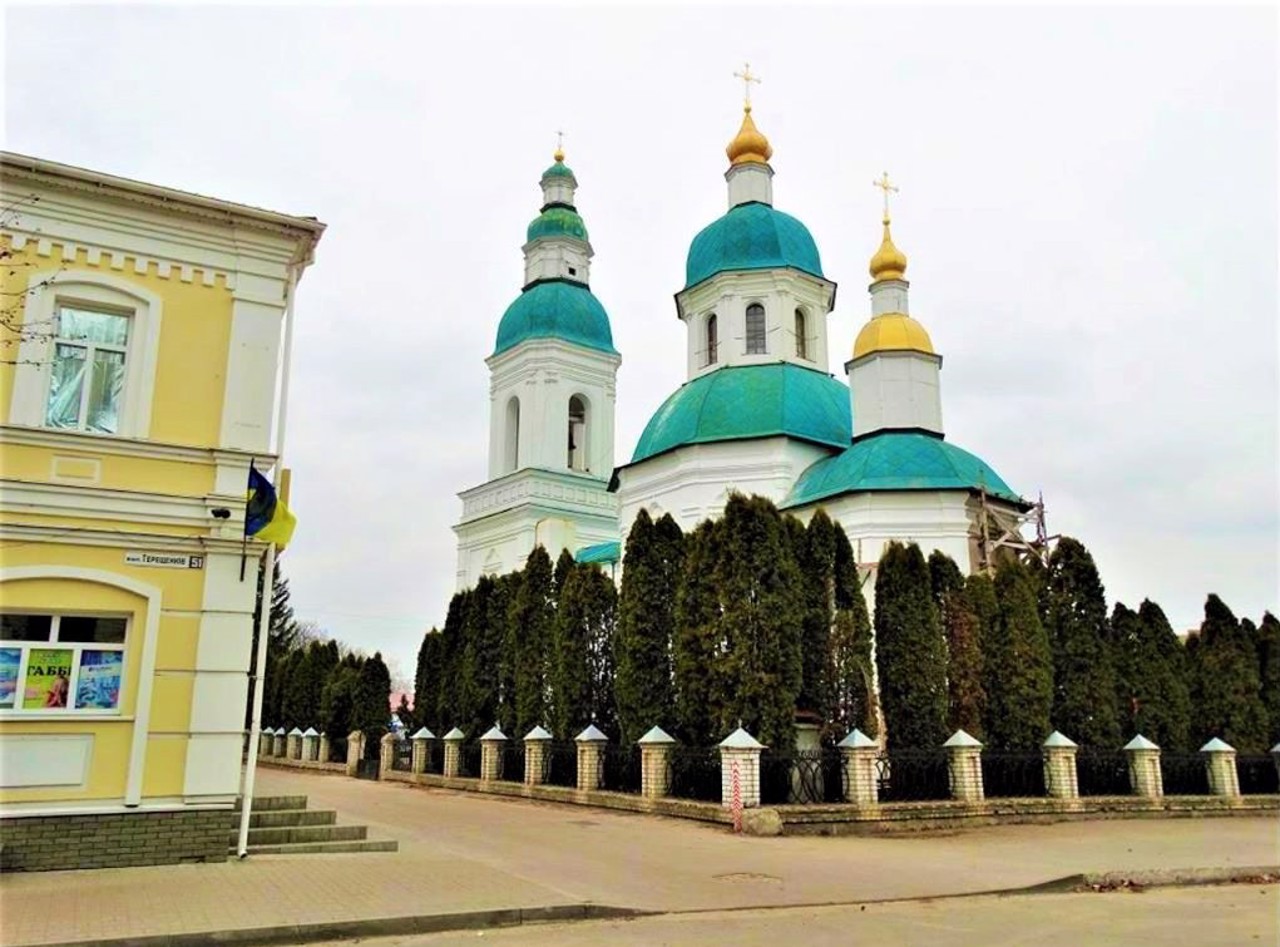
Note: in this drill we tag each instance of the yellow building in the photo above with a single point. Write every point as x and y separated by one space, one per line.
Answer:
141 342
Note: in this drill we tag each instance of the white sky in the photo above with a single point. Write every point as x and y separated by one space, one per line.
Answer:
1088 204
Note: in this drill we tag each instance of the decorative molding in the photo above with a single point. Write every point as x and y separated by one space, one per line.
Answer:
22 435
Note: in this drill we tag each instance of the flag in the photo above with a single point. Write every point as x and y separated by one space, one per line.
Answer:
266 518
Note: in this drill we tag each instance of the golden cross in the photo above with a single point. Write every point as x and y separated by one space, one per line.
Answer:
559 140
747 78
885 186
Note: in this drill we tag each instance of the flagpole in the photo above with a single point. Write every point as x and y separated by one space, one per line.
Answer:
258 685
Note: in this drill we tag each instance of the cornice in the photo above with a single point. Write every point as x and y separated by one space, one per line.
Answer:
19 435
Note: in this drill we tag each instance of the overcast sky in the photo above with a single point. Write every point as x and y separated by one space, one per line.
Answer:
1088 201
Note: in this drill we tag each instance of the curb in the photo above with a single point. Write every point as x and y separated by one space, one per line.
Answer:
1148 878
369 927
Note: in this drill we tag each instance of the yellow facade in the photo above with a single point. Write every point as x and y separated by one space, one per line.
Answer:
126 646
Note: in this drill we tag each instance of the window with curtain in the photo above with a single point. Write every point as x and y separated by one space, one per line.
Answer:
802 337
86 378
755 330
713 340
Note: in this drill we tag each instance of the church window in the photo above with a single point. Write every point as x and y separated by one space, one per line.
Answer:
713 340
511 449
577 459
755 330
802 338
572 271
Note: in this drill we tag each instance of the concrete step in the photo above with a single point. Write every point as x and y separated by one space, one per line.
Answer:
283 818
274 803
307 833
314 848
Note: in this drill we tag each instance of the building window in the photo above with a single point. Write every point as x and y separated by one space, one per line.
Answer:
755 330
61 662
577 459
802 335
511 449
86 377
713 340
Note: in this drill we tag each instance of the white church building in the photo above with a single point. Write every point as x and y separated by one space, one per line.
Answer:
757 414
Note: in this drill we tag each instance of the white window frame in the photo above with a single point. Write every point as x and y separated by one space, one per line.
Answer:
75 647
47 293
746 328
90 349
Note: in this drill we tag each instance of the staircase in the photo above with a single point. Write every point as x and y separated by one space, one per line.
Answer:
283 825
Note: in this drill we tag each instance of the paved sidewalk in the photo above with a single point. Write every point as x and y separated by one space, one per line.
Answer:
461 852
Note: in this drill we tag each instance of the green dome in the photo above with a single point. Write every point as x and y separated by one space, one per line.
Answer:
558 221
748 401
751 237
558 170
556 309
896 460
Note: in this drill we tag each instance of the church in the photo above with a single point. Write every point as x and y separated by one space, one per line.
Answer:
758 413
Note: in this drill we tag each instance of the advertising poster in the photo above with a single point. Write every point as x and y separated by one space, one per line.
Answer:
48 678
10 658
99 682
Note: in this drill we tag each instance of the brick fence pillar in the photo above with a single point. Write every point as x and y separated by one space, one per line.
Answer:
310 744
386 754
278 742
1220 761
293 748
964 767
1144 768
535 755
421 749
858 754
355 750
1060 778
266 738
325 751
1275 756
740 762
491 745
453 752
590 754
655 774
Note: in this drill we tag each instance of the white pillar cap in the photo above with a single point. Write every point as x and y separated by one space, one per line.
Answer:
857 740
1140 743
311 732
656 735
536 734
295 732
1217 746
424 734
960 738
493 735
455 734
1057 739
741 740
591 735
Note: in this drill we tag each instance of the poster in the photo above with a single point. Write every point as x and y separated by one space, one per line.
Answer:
99 682
10 659
48 678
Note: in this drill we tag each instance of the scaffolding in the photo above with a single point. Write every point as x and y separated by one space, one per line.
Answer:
999 526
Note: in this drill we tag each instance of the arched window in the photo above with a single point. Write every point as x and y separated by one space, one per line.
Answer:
713 340
755 329
802 335
577 459
511 449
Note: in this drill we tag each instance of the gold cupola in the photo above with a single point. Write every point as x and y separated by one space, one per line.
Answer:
749 146
892 332
889 262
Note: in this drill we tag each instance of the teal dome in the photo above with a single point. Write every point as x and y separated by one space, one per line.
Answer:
751 237
748 401
556 309
557 221
897 460
558 170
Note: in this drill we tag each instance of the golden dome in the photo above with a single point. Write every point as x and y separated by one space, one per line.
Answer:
749 144
889 262
892 331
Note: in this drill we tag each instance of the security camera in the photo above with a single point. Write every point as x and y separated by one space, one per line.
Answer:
220 513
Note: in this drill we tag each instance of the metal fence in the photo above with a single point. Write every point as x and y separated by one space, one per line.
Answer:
913 775
1012 774
469 760
694 773
620 768
511 762
560 764
1102 772
337 750
1258 774
1184 774
402 755
801 776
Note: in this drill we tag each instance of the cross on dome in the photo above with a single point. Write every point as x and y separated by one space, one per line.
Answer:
884 185
747 78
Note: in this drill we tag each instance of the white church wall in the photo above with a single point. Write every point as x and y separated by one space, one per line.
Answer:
556 259
895 390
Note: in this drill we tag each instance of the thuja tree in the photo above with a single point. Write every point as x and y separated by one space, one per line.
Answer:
962 628
1267 642
427 681
1225 682
910 653
815 551
448 701
1073 608
532 619
651 568
762 611
504 598
849 669
1017 665
1152 696
696 640
371 703
582 667
337 698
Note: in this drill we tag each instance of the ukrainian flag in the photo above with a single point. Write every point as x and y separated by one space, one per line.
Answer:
267 518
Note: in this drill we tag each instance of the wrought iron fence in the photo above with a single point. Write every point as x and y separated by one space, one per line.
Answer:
913 775
801 776
560 764
1184 774
1258 774
469 760
620 768
694 773
402 755
435 756
511 762
337 750
1101 772
1012 774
